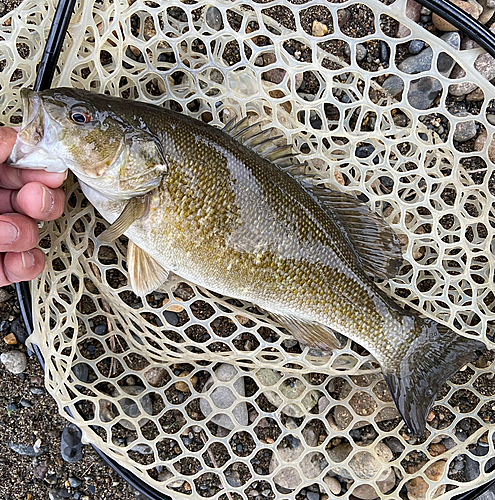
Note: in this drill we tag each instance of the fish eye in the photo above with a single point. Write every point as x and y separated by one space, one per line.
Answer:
80 117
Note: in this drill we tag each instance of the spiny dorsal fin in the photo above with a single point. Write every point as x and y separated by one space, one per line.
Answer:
258 139
134 210
373 240
145 273
309 332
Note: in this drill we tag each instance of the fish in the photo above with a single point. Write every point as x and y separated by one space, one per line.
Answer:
229 211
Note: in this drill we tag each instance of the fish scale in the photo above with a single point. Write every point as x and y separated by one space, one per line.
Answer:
194 200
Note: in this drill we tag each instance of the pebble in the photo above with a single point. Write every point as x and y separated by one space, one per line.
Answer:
19 330
471 468
26 449
12 407
70 444
437 449
319 29
39 471
214 18
156 376
81 371
361 52
4 294
416 46
313 464
340 452
484 64
36 390
268 377
464 131
413 12
74 482
101 329
223 397
423 92
435 470
171 317
471 8
393 85
288 478
130 407
14 361
10 339
422 61
364 465
417 489
25 403
311 495
333 485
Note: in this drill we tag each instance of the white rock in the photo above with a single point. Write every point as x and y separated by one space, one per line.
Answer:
14 361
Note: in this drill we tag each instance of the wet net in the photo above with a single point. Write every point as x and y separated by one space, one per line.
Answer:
205 396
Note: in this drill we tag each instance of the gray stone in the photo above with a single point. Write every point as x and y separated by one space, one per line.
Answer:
74 482
222 397
14 361
312 495
214 18
268 377
313 464
340 452
422 61
343 417
423 92
156 376
464 131
393 85
26 449
416 46
70 444
81 371
19 330
130 407
471 468
361 52
290 449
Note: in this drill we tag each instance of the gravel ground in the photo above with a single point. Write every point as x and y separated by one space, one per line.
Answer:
28 413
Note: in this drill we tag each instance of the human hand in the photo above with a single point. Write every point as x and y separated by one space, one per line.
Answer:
26 196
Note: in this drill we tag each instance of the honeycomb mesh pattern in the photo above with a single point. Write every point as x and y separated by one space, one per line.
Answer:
204 396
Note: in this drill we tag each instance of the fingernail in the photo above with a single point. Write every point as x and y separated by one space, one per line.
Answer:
8 233
27 260
47 201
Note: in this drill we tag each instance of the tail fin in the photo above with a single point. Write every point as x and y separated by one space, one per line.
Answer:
436 355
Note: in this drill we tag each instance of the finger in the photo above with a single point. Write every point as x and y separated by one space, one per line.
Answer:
34 199
7 140
18 233
15 178
21 266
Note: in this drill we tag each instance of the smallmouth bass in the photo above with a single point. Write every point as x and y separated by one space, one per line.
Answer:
203 203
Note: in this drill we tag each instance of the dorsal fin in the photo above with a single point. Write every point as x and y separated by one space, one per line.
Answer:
375 244
258 139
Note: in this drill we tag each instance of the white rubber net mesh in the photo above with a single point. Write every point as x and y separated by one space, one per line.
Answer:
203 396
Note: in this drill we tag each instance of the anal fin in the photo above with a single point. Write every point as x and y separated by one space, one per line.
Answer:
434 356
145 273
309 332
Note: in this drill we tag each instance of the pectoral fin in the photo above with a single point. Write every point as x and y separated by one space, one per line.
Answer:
145 273
310 333
134 210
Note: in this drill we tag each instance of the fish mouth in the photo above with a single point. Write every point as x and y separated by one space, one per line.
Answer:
32 147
